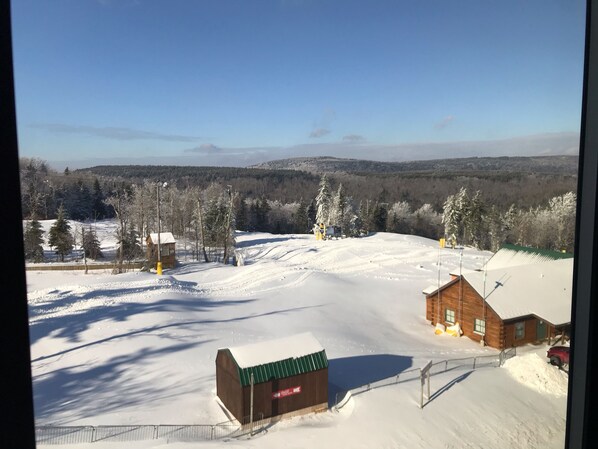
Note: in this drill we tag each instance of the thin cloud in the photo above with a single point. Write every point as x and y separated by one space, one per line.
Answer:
319 132
446 121
353 138
112 132
205 148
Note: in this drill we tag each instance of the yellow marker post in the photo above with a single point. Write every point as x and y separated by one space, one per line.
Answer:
159 268
442 243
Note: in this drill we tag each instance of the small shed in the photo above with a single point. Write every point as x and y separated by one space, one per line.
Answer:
167 249
290 377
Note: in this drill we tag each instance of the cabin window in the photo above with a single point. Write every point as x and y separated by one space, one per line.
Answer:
479 326
449 316
519 330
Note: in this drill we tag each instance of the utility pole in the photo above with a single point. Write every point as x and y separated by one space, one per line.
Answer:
159 263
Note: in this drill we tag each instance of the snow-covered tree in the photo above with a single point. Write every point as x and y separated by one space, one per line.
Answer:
427 222
338 206
563 209
473 218
399 218
451 218
60 237
323 201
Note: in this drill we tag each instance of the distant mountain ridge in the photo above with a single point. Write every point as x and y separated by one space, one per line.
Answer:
566 165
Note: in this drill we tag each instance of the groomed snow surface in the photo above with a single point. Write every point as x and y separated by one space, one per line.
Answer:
136 348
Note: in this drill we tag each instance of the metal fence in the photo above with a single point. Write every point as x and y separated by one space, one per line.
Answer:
169 432
484 361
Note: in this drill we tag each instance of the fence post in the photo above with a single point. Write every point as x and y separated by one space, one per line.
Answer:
93 434
446 365
474 360
212 433
155 432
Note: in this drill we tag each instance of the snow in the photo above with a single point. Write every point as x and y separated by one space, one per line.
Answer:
294 346
138 348
541 289
510 257
533 371
165 237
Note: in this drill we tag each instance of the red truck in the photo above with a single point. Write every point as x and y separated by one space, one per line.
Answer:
558 355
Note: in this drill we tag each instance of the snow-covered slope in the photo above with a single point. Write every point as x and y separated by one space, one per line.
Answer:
140 349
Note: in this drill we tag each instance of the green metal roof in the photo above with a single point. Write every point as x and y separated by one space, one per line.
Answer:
542 252
283 368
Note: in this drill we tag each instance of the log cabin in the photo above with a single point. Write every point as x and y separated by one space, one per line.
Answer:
507 304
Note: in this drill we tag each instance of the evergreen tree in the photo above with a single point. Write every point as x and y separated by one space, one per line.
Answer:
91 245
301 219
33 240
380 214
262 209
241 213
130 245
473 220
98 208
311 214
338 207
323 202
60 236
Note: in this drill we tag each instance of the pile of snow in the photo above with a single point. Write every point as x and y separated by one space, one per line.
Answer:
535 372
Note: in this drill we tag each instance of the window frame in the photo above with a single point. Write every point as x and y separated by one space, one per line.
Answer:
475 326
18 428
446 316
519 325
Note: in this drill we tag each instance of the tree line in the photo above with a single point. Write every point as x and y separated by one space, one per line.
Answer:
208 216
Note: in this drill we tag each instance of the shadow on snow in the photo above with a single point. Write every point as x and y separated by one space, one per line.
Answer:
83 391
351 372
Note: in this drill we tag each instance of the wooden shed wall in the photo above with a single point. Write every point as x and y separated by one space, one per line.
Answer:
471 307
167 256
228 384
314 391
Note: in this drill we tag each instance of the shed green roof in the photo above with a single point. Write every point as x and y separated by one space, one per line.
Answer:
283 368
279 358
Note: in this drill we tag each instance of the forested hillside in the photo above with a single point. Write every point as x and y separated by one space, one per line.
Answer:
468 205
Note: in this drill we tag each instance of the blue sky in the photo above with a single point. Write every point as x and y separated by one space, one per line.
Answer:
237 82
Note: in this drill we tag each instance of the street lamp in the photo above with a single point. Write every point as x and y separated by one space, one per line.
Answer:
159 263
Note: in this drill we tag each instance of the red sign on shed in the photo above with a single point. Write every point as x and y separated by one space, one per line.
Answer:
286 392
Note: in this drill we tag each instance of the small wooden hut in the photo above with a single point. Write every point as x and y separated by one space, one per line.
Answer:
167 249
289 376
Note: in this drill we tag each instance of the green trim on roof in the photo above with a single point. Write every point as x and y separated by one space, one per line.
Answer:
542 252
282 368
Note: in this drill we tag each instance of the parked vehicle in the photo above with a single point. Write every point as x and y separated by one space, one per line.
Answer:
558 355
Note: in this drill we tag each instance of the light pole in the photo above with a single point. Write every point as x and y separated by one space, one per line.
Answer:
159 263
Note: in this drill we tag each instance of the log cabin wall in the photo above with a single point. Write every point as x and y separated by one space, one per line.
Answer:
465 311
